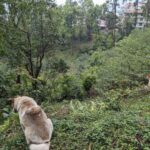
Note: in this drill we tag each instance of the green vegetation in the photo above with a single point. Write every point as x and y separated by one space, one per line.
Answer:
94 124
91 85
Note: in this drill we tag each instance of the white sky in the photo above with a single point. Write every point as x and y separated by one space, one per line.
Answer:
99 2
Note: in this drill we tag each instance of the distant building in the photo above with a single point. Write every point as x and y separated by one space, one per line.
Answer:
135 8
102 24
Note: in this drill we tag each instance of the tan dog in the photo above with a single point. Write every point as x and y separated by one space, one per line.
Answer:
35 124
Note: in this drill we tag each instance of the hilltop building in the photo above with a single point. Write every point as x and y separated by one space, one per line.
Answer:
133 8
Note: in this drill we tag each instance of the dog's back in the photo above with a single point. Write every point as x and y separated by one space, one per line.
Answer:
37 127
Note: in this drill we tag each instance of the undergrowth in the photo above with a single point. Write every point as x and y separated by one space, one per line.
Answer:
91 125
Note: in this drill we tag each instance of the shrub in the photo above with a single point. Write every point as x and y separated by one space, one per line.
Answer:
59 65
64 86
88 83
123 66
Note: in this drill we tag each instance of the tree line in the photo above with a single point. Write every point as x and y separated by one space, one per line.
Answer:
31 29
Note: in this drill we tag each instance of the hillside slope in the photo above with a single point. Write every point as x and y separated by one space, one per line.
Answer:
94 124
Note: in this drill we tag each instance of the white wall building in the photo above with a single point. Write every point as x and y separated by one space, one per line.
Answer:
135 9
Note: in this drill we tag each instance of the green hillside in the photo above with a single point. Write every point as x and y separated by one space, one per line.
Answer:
91 80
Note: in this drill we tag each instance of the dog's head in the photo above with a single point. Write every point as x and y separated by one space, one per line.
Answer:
148 76
14 102
21 102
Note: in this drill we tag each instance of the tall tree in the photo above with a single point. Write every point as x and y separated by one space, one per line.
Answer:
112 17
147 12
136 4
2 12
88 8
73 27
30 33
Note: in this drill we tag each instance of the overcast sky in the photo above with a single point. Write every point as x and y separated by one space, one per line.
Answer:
95 1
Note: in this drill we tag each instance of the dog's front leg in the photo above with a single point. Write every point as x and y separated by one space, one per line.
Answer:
28 142
50 126
23 128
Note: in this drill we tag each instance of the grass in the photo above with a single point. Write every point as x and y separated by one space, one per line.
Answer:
89 125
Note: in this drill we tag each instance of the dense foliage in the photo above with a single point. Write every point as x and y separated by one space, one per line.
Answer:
125 65
89 81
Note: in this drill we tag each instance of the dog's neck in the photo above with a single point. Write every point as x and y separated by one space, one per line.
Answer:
18 107
36 143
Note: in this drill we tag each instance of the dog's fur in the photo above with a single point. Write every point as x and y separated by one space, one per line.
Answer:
35 124
148 77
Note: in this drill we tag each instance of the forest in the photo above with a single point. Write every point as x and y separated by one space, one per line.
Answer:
86 65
